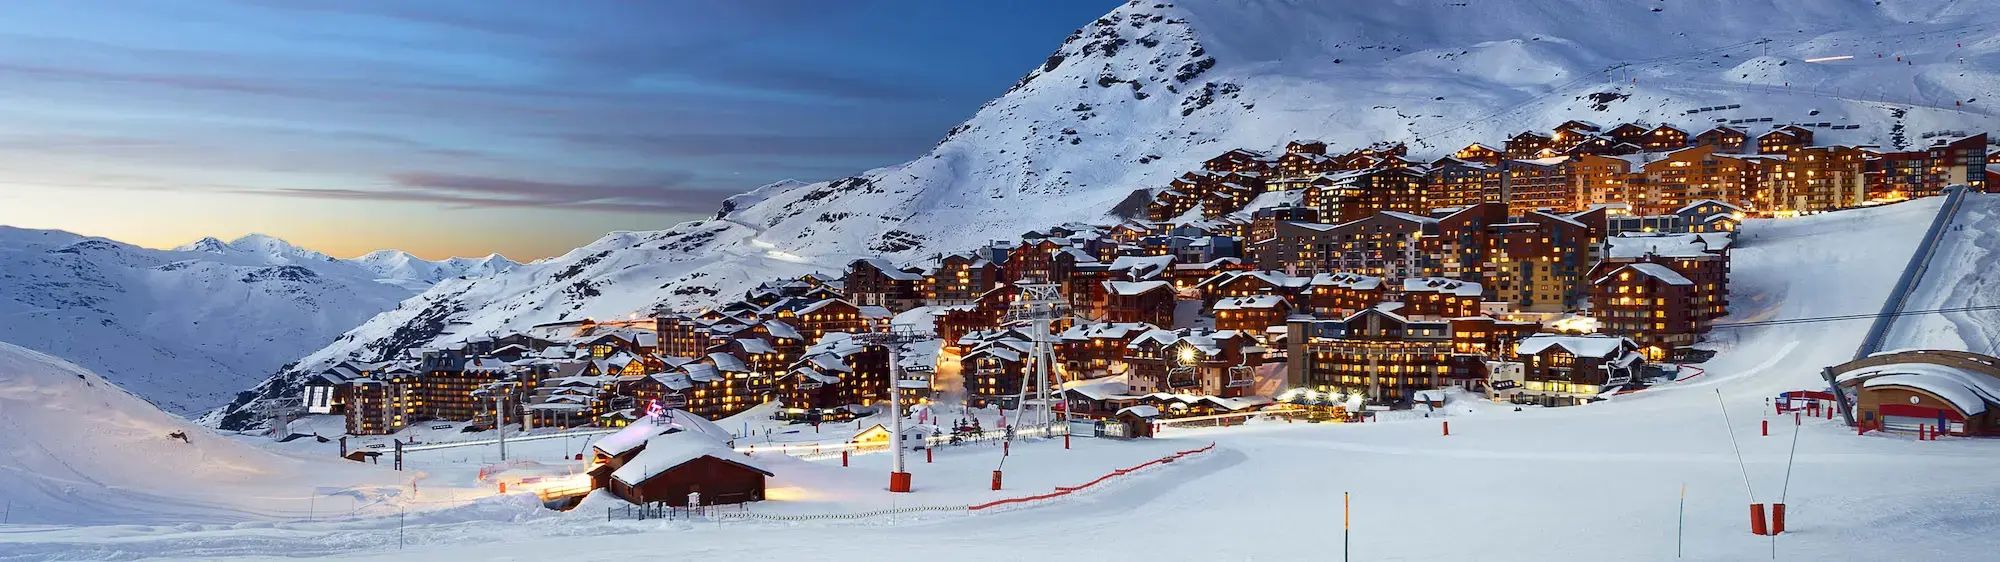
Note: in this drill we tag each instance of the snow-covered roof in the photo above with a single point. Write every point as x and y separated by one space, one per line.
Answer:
1135 288
890 270
875 312
756 345
1634 245
636 435
1349 280
1663 273
665 452
1142 267
1099 388
727 363
1250 302
1144 411
1968 391
1594 345
1106 330
1442 285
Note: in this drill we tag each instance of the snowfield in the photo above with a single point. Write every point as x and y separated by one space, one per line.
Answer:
77 450
1150 90
1598 482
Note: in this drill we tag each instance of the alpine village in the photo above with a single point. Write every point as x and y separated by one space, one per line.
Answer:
1556 268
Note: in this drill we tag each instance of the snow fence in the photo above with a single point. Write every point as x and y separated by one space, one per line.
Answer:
1023 501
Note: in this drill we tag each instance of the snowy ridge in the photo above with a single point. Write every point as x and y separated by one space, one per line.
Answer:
1153 88
185 328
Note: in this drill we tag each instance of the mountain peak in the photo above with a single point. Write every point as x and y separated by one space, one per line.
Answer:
207 244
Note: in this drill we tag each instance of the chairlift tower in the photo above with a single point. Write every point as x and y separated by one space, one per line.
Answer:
894 340
1039 306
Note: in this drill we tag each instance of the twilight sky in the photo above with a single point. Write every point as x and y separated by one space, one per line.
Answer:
525 127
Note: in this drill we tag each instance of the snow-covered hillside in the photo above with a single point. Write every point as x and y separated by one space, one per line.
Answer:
76 449
189 327
1153 88
1965 276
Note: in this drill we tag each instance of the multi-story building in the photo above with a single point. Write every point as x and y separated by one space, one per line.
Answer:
1337 295
1948 161
960 279
1252 314
1544 183
381 404
1456 182
1387 244
1565 370
1537 263
1438 298
1816 178
1662 291
1784 139
1379 355
876 282
1203 362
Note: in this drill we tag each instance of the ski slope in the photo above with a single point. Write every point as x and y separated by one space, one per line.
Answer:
1965 274
77 450
1599 482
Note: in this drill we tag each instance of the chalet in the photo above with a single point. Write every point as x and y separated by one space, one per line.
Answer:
960 279
675 460
1783 140
876 282
1648 302
1951 392
1214 363
1664 138
1249 283
1252 314
1724 138
1528 144
1238 160
1628 133
827 316
1436 298
994 368
1138 301
1303 164
1096 348
1306 147
1573 132
1479 153
1098 398
1336 295
1567 370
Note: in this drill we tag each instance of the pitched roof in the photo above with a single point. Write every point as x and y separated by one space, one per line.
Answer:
1594 345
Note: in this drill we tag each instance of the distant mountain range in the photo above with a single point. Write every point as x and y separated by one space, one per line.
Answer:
189 327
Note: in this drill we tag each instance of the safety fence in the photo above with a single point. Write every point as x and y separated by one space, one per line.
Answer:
667 512
1067 490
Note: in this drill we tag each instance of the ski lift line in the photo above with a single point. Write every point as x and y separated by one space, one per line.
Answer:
1817 319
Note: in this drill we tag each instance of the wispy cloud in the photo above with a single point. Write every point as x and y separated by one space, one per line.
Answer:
473 192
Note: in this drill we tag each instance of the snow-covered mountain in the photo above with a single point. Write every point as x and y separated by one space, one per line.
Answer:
1151 89
185 328
397 266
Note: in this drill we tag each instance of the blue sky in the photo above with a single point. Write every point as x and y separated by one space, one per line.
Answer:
470 127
